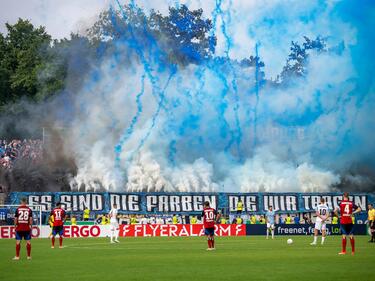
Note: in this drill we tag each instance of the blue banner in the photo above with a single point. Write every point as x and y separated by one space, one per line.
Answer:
186 203
301 229
3 214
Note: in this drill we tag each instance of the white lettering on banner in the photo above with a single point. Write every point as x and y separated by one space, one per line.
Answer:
250 202
97 202
186 203
178 203
134 203
197 203
79 202
361 201
66 202
333 201
163 203
125 202
151 202
280 202
174 202
44 200
291 203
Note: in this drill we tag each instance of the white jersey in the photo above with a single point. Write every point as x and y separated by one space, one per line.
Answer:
113 215
323 211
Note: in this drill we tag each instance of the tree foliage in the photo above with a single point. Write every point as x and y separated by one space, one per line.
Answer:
182 37
298 57
34 66
22 52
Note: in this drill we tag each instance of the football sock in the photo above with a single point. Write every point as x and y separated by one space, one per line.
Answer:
18 248
53 240
273 233
213 242
353 244
344 244
268 232
116 234
315 239
373 236
209 242
28 248
111 235
60 239
323 238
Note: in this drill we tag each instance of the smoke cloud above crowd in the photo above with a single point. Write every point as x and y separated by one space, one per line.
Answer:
142 123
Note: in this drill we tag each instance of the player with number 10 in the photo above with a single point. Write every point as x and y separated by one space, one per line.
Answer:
210 216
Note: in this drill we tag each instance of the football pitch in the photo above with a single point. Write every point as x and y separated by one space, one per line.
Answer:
186 258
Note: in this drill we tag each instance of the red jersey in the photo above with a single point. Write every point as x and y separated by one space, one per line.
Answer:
23 215
346 210
209 217
58 216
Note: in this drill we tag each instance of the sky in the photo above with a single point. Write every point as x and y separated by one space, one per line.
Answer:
59 17
64 17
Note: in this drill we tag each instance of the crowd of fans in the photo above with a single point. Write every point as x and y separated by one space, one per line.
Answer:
299 218
13 150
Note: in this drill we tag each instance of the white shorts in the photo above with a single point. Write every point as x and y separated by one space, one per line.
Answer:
114 224
320 225
269 225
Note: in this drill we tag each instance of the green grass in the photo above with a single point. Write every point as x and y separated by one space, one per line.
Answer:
177 259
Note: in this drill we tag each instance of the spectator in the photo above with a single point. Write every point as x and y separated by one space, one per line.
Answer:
31 150
335 219
239 220
262 220
306 219
253 219
175 219
2 196
223 220
86 214
288 219
193 220
239 207
73 220
296 219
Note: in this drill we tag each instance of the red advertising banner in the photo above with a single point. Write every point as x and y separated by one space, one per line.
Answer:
135 230
75 231
70 231
9 231
169 230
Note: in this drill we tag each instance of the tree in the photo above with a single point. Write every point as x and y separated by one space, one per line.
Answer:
21 54
186 33
297 59
181 37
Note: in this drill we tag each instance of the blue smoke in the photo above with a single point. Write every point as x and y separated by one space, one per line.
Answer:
216 121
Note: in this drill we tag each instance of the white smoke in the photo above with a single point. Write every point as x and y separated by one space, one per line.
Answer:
308 159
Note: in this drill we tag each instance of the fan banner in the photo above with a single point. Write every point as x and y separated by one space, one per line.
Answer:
185 203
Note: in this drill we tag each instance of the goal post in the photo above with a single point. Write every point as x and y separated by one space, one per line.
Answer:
7 214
